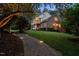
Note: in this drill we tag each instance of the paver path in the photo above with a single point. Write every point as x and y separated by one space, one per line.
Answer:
33 47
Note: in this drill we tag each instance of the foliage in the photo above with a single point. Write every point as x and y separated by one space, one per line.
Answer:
68 26
26 10
13 23
58 6
71 15
22 23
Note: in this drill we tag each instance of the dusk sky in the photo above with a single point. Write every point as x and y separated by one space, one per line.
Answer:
47 7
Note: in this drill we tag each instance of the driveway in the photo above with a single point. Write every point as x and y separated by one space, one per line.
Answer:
35 47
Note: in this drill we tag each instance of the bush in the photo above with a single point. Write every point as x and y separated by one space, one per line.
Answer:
22 23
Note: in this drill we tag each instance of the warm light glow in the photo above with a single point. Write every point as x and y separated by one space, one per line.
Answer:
56 19
59 26
56 26
41 41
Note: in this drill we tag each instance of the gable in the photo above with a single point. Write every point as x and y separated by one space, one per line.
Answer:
44 16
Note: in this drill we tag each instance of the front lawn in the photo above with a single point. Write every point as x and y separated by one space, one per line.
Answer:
59 41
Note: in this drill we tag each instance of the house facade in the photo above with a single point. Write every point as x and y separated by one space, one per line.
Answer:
52 23
46 22
35 25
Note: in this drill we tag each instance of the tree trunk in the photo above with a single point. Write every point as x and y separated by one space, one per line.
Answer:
77 29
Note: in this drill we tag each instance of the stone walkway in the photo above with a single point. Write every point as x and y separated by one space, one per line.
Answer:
35 47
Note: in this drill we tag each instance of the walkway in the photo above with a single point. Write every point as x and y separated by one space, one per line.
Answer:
10 45
34 47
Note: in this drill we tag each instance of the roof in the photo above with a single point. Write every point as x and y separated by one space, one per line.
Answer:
44 16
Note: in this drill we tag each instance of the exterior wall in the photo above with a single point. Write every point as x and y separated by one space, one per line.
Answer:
36 23
56 23
49 23
44 25
52 23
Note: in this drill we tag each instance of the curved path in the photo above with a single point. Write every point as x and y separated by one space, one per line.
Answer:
35 47
10 45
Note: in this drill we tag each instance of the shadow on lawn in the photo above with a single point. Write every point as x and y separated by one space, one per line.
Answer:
74 40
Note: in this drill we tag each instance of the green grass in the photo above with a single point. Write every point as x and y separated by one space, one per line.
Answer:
58 41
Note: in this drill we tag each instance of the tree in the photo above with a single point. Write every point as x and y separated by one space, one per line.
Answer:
22 23
68 26
71 15
60 8
24 10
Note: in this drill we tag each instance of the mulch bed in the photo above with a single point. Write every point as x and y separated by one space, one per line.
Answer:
10 45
